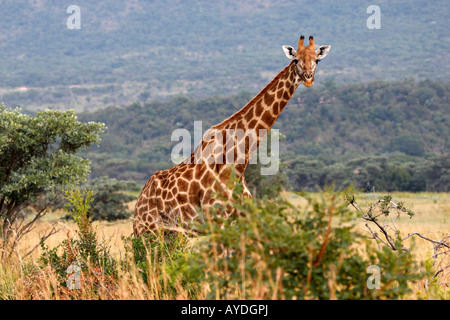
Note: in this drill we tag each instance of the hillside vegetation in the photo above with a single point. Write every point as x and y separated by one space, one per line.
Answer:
138 50
383 134
363 185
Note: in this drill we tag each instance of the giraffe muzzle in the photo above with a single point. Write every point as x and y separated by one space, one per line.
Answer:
308 75
308 79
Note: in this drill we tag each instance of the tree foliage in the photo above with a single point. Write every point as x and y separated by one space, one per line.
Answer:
372 173
110 198
96 265
37 154
215 51
388 133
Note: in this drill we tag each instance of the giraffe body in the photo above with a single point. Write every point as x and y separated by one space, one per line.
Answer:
171 197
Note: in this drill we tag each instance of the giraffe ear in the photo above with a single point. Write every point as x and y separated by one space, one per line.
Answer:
322 52
289 52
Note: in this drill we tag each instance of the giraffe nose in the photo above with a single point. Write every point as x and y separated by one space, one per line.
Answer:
308 75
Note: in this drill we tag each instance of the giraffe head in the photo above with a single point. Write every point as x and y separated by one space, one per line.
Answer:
306 58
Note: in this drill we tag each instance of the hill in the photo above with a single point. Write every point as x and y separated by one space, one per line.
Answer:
401 122
138 50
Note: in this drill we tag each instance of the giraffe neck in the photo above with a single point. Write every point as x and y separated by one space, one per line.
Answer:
261 113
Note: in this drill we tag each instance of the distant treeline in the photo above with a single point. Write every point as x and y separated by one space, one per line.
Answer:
373 173
387 135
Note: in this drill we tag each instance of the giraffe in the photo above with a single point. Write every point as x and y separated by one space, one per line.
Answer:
171 197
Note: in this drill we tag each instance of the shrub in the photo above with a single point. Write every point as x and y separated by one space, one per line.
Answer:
275 250
162 264
272 250
38 154
83 254
110 201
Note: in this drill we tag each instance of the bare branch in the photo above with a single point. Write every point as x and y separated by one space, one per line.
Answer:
45 237
375 235
428 239
442 270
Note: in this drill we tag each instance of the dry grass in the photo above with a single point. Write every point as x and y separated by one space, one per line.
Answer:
432 213
431 219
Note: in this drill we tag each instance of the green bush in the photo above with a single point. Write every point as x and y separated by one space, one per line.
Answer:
162 259
85 251
276 250
110 199
272 250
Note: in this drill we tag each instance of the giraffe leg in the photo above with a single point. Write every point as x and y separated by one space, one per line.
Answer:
144 223
247 193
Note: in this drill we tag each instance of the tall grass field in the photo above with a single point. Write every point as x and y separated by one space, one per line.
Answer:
299 248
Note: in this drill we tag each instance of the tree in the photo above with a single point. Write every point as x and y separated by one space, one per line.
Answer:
436 173
409 144
37 155
267 185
